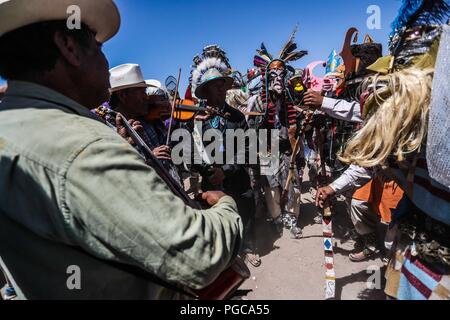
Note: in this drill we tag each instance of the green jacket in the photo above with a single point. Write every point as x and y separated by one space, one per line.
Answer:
75 193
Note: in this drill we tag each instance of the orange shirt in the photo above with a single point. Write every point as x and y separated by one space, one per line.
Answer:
382 195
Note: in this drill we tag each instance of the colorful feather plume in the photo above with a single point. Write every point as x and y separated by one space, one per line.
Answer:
288 52
263 52
421 12
294 56
289 46
260 62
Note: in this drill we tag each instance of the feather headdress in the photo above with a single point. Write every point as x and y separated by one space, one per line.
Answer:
213 61
421 12
287 53
415 13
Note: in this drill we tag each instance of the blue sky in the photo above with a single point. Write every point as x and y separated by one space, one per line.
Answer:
163 36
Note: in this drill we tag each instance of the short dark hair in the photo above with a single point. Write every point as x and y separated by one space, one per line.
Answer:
31 50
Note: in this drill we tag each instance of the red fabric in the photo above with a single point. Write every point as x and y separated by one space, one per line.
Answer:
188 94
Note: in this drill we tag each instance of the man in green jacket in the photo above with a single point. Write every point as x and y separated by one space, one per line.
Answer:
81 214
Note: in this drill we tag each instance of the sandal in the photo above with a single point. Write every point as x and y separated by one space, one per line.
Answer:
318 219
253 259
363 255
296 233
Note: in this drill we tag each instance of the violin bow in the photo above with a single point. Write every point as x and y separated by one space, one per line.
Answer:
174 102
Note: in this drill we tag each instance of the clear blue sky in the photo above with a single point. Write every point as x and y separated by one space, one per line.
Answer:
162 36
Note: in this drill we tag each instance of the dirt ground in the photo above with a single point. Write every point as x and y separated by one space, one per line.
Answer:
294 269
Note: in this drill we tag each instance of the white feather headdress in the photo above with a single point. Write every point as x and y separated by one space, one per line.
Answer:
213 61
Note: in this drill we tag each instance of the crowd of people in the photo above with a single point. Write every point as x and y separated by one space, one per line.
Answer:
88 175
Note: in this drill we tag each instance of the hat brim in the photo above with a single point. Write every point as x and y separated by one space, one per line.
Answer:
102 16
382 65
128 86
200 91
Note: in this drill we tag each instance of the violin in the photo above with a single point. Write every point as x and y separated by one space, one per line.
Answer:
186 110
231 278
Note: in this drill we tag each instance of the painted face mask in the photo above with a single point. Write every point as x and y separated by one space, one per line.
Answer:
311 81
276 77
331 83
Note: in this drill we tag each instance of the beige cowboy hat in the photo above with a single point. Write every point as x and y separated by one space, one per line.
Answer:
126 76
102 16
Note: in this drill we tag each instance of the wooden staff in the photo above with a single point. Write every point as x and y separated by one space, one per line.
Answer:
292 173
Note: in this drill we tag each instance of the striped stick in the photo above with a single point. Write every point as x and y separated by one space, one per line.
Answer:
330 275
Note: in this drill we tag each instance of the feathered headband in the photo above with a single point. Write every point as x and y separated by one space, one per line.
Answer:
212 64
287 54
414 13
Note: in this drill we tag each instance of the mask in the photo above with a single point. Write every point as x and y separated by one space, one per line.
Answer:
276 80
311 81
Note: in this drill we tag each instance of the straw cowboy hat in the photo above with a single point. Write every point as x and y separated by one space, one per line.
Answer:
126 76
102 16
155 88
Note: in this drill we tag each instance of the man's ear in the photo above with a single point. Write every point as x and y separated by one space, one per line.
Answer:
69 48
121 96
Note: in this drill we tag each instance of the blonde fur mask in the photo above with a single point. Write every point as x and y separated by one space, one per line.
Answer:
399 124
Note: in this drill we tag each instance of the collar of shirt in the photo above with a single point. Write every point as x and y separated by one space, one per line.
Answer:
20 93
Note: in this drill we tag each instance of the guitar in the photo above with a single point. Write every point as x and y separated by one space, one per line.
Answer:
229 280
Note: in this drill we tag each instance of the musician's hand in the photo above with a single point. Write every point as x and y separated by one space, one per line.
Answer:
122 131
217 177
203 117
212 197
313 99
163 153
323 195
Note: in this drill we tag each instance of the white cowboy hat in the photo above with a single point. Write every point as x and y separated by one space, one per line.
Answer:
156 88
154 83
102 16
126 76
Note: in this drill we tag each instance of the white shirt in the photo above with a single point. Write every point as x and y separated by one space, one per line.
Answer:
342 109
353 178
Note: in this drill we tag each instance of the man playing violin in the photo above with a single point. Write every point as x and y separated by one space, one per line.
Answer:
210 83
75 197
143 105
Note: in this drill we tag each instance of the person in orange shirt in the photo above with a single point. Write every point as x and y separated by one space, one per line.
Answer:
370 208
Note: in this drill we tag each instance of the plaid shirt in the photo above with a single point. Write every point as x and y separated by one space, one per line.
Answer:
155 135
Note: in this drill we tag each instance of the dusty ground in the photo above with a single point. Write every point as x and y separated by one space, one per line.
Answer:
294 269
